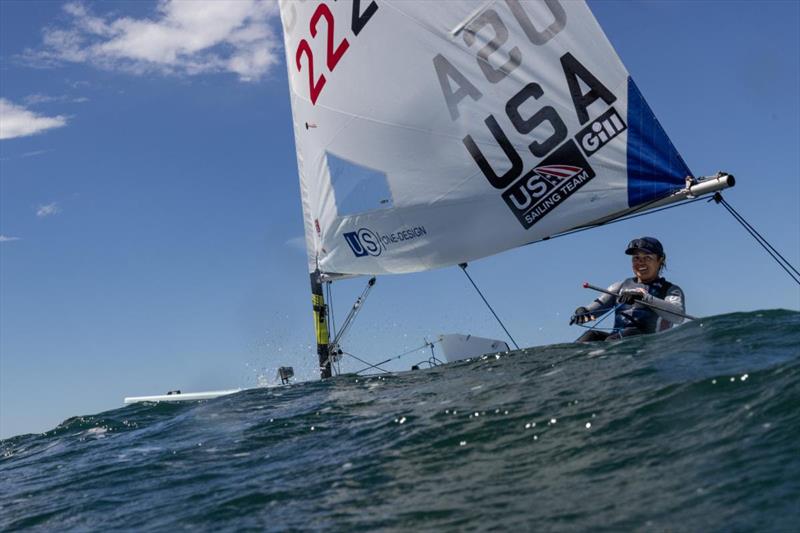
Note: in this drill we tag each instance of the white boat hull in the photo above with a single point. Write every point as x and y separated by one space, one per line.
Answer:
181 397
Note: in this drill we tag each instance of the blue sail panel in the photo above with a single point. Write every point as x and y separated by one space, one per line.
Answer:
655 168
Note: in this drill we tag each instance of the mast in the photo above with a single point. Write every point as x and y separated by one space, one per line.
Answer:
321 324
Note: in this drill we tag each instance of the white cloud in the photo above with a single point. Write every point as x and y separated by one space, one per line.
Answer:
16 121
35 153
184 37
48 210
5 238
35 99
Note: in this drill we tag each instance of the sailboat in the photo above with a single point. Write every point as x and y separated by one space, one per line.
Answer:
432 134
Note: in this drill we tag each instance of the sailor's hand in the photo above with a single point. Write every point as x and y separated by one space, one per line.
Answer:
629 296
581 316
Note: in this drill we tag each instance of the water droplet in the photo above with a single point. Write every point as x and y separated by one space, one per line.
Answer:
553 421
403 420
733 379
588 425
477 414
536 437
713 381
462 443
312 428
744 377
528 425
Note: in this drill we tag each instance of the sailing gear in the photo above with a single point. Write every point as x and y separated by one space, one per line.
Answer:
628 296
646 244
633 317
581 316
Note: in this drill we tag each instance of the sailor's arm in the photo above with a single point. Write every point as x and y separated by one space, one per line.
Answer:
604 302
599 306
673 301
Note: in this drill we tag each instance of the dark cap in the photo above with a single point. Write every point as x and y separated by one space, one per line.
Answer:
646 244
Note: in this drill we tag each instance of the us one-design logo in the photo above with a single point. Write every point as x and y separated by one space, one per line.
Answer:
364 242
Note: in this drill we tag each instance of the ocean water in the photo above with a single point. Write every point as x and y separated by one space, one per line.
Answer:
696 429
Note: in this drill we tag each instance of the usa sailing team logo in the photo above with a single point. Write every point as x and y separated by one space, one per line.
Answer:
542 189
562 173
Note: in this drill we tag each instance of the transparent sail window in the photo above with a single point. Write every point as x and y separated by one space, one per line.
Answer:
356 188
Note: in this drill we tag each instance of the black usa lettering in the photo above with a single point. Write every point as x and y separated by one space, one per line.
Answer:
534 194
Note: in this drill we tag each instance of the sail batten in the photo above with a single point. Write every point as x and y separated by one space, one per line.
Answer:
435 133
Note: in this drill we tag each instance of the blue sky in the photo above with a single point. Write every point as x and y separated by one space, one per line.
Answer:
150 222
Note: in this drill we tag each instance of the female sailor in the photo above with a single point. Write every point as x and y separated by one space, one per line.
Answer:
645 302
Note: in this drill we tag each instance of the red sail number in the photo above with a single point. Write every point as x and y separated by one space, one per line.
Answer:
315 87
334 54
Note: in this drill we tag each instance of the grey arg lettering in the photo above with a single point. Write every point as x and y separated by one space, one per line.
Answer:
492 19
455 86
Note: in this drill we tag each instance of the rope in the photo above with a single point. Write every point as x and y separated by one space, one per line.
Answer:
634 214
377 365
464 268
369 365
329 299
348 321
775 254
597 322
335 364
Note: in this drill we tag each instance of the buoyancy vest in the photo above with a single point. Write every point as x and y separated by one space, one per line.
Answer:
638 315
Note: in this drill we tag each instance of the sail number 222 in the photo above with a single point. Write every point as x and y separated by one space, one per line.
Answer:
335 49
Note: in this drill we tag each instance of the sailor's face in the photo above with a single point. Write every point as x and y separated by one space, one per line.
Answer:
646 266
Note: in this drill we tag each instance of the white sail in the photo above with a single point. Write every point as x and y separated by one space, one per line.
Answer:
433 133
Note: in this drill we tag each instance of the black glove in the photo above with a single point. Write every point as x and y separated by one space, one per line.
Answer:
581 316
629 296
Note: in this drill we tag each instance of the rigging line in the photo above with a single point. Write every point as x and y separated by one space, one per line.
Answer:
406 353
464 268
634 214
759 238
354 311
336 364
764 245
369 365
597 323
329 299
329 360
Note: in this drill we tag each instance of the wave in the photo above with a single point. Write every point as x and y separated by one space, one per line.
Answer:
691 429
